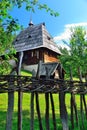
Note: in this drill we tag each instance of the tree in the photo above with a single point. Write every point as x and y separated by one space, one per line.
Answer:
8 25
77 56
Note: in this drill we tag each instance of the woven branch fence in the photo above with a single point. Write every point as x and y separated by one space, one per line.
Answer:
35 86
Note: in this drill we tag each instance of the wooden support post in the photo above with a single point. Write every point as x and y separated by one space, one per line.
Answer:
38 70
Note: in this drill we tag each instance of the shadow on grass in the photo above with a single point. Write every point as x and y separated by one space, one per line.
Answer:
2 120
26 121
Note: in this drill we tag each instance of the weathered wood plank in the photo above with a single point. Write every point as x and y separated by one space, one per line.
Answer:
32 112
20 110
62 105
38 112
81 100
85 105
72 111
53 111
73 103
47 111
10 104
19 92
10 111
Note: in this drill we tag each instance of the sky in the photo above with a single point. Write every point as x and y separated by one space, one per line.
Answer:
71 13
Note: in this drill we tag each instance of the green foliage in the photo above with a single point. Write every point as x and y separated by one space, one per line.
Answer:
44 6
5 68
77 56
8 25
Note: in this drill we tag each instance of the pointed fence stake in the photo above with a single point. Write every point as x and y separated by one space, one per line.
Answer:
38 111
32 112
10 106
20 93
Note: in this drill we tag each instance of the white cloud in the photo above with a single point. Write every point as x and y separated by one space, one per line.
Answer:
67 33
76 25
61 44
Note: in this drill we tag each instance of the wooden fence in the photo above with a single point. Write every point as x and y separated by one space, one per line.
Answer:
34 86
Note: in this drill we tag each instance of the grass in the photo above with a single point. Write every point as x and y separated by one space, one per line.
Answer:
26 73
26 111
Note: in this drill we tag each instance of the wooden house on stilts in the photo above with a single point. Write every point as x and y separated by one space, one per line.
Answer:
37 45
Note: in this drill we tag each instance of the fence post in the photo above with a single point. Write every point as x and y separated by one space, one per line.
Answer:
84 96
19 110
72 99
38 111
73 103
53 111
19 92
10 105
63 111
32 112
81 99
47 111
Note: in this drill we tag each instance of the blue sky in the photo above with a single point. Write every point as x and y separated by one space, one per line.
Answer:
71 13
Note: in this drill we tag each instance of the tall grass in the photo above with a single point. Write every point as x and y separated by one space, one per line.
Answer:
26 111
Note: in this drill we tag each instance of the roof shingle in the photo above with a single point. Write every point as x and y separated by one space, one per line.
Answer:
33 37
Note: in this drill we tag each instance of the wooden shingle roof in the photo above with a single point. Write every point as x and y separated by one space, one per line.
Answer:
33 37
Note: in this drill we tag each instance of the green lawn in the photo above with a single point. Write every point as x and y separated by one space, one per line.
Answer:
26 111
26 73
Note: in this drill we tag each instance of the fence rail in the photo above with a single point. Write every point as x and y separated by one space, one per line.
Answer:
30 84
13 83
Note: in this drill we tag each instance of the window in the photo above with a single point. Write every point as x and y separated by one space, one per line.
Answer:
37 54
32 54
